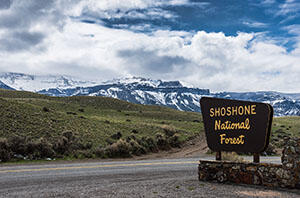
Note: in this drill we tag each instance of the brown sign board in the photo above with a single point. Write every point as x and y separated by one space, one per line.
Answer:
234 125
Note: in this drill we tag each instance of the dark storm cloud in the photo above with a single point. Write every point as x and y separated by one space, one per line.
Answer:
5 4
18 19
23 14
151 61
19 41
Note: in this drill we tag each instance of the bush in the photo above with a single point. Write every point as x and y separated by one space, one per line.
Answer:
18 145
87 145
134 131
71 113
45 109
136 148
119 149
131 137
45 148
116 136
152 146
62 146
168 130
148 144
69 135
162 142
40 148
100 152
232 156
5 152
174 140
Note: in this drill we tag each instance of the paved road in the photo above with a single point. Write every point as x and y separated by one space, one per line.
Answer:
146 178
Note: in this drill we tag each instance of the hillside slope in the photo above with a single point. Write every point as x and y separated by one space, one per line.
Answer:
89 123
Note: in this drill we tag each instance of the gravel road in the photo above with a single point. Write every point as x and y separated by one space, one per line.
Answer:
143 178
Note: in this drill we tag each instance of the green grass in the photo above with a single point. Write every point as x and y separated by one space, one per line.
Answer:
284 127
289 124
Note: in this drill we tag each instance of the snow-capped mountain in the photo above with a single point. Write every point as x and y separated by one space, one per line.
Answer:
283 104
35 83
141 91
144 91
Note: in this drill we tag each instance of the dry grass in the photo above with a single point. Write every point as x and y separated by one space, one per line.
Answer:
232 156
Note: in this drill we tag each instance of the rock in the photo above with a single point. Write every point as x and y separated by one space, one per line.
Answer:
221 177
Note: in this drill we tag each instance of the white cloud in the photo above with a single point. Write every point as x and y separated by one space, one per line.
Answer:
209 60
290 9
293 29
245 62
268 2
255 24
141 9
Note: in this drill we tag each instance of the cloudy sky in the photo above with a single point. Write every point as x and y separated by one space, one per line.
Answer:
230 45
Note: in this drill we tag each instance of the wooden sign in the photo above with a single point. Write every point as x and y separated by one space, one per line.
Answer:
234 125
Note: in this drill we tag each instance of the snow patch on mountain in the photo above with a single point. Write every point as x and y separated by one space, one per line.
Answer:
36 83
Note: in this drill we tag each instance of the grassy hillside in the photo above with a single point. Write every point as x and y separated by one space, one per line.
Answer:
38 126
90 125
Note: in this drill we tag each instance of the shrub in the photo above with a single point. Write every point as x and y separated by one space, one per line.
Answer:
151 144
162 142
232 156
131 137
40 148
69 135
88 145
168 130
71 113
134 131
61 146
45 109
5 152
136 148
99 152
119 149
45 148
18 145
174 140
116 136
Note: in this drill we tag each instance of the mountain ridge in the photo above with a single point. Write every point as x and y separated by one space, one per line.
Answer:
149 92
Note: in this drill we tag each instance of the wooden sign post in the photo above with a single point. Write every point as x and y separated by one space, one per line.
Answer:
234 125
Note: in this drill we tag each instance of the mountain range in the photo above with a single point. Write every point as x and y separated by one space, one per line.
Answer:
144 91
